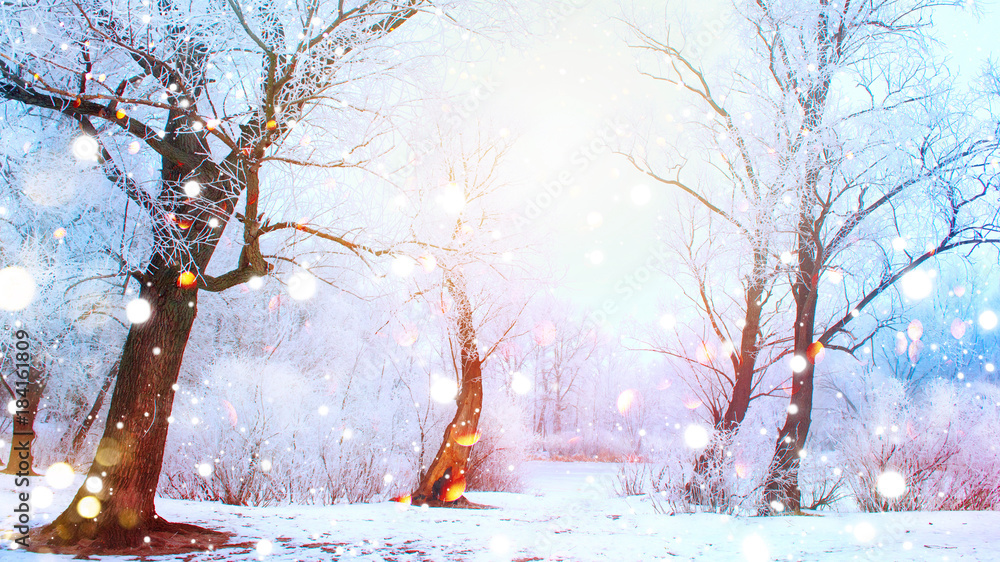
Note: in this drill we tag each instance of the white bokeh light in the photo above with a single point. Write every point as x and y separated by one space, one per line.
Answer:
60 475
301 285
403 266
797 363
192 188
667 321
864 532
641 194
891 484
138 311
85 148
755 549
988 320
917 284
500 545
41 497
205 469
17 288
695 436
452 198
93 484
443 390
520 383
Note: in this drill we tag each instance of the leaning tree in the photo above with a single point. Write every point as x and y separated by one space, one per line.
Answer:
188 110
459 221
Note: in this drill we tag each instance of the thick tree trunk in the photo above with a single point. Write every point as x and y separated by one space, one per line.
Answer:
443 484
130 453
781 491
22 441
701 489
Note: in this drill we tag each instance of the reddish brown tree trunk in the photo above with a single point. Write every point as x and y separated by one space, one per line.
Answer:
22 441
130 453
781 491
443 484
745 367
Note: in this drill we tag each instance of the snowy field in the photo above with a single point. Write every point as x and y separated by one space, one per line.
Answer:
568 512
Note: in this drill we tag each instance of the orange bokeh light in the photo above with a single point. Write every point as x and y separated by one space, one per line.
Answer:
454 490
187 280
468 438
815 352
626 400
403 499
692 403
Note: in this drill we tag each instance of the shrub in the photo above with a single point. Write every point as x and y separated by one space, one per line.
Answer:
940 439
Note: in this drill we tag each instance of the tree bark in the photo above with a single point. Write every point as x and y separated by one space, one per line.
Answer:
23 438
443 484
745 368
130 453
781 491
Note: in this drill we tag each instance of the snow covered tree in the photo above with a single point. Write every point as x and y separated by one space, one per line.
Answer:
218 94
855 140
469 295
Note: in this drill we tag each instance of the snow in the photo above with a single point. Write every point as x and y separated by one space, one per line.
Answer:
568 512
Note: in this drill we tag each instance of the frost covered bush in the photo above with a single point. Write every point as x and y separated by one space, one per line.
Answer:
931 450
263 432
724 477
590 445
495 464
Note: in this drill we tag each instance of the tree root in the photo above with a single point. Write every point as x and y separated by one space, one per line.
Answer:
460 503
163 538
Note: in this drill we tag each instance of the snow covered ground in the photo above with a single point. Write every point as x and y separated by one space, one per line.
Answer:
568 512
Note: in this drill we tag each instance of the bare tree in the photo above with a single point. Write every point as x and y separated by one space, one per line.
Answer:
230 88
842 182
468 260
